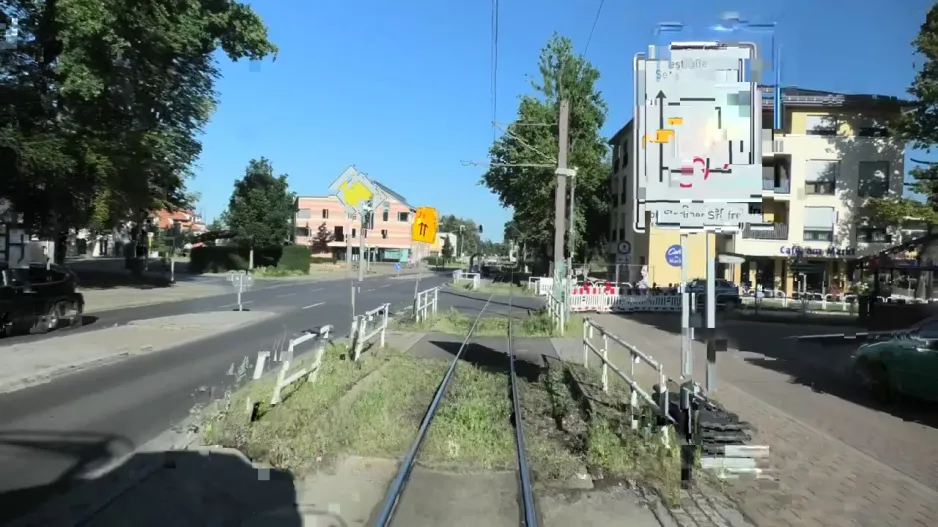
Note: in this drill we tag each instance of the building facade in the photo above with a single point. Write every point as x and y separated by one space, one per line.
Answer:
833 154
389 239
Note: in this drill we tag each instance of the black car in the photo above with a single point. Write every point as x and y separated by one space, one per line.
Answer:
37 299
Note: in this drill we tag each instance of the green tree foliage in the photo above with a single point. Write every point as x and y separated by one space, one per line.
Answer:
468 231
447 250
102 102
919 129
532 140
261 208
322 238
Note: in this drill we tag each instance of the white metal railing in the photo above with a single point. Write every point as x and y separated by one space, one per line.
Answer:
425 303
557 312
361 334
474 279
661 406
284 378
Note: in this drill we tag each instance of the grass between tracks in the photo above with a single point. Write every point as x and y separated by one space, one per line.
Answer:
456 323
373 407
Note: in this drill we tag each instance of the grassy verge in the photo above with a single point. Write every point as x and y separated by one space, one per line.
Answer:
601 423
457 323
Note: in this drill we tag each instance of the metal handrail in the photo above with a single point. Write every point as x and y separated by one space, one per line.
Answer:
407 465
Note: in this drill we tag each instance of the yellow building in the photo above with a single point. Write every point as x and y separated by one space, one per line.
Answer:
833 153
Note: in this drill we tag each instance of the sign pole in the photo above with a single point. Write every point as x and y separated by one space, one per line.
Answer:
711 316
687 353
361 247
560 197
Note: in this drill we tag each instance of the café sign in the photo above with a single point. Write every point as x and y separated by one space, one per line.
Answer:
830 252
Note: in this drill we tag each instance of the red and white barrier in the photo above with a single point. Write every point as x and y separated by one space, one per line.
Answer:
613 300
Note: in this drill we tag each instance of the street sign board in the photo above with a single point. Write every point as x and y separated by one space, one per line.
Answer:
356 192
425 225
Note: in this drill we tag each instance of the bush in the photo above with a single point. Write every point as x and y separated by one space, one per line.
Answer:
321 259
233 258
295 258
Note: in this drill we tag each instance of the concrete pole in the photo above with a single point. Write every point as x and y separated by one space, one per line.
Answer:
560 197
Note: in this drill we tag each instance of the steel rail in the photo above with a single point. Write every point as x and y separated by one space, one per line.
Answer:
386 513
528 512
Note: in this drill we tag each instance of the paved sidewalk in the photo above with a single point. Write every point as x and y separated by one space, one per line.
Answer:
822 446
34 363
97 300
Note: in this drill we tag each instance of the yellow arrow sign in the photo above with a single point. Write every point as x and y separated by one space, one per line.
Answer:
425 225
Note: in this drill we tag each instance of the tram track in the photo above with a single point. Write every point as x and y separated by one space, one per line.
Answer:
527 510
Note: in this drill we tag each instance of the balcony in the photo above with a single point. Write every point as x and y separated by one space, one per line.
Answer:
783 186
771 144
766 231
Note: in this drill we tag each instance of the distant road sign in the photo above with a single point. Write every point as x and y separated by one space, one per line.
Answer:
425 225
355 191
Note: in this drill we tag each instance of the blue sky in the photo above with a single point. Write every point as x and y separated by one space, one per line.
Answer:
401 89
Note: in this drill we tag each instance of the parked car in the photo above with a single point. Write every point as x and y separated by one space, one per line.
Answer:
38 300
901 363
727 293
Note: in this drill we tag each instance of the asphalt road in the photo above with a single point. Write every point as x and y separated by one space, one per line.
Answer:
52 433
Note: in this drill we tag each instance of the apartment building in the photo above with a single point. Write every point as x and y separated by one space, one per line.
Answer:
189 220
387 241
833 154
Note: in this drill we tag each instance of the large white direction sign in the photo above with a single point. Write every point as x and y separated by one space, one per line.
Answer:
698 132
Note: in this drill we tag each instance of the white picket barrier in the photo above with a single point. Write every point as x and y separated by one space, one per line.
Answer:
474 279
611 300
425 303
284 380
362 336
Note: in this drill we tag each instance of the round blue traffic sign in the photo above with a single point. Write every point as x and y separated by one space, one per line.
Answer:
397 267
673 256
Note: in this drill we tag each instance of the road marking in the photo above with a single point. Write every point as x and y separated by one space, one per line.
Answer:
369 290
388 285
286 295
235 304
313 305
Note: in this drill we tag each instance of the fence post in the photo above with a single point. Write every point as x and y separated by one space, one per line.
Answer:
605 363
262 357
384 323
663 394
359 336
436 298
586 348
275 399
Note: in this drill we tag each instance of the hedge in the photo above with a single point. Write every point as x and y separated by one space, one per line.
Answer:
236 258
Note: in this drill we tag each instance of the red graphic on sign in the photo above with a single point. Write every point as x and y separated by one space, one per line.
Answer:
689 171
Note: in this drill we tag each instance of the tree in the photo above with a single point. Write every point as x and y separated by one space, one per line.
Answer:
919 129
321 241
103 102
470 240
261 208
447 250
532 140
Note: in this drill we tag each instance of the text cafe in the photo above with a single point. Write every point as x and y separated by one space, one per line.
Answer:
820 269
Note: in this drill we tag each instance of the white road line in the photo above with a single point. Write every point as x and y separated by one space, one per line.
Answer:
313 305
286 295
235 304
369 290
388 285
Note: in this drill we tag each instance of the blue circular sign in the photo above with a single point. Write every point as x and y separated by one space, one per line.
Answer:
673 256
397 267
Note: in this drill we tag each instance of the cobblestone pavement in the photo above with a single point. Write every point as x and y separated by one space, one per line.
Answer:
838 459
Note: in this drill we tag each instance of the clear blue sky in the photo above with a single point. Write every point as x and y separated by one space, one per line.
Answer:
401 89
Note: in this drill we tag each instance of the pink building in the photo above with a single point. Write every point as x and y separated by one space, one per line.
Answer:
387 241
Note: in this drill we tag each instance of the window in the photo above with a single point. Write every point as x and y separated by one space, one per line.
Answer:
384 233
302 232
304 214
325 214
622 188
873 179
384 215
873 235
616 159
354 232
868 127
819 224
820 177
624 154
403 216
820 125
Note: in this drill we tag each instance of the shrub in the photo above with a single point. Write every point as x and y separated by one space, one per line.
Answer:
295 258
232 258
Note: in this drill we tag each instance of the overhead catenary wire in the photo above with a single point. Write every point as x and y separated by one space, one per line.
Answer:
494 66
589 39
